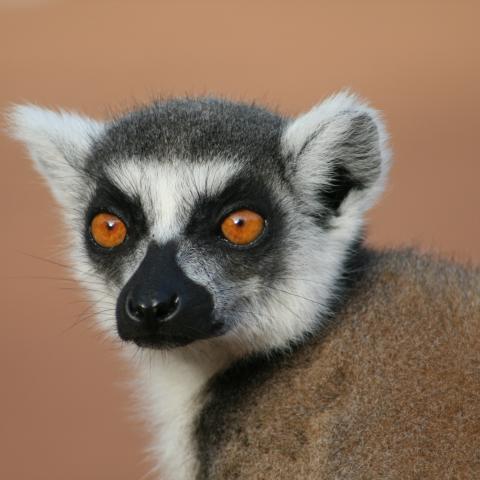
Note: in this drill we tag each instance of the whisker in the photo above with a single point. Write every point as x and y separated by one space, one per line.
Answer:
292 294
44 259
89 271
59 279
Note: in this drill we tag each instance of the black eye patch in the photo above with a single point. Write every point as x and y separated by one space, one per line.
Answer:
263 258
208 211
111 199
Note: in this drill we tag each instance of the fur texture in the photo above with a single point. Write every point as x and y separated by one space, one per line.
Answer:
389 391
172 171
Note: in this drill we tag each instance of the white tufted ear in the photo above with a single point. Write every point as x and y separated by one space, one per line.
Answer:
339 157
58 143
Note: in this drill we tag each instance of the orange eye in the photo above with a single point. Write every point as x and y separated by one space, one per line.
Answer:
108 230
242 227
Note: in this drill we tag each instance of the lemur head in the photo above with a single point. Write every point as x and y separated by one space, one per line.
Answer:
207 221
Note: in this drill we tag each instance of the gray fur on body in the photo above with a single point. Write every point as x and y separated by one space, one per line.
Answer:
388 390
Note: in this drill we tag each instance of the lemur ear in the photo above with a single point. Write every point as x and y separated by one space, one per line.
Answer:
338 157
58 143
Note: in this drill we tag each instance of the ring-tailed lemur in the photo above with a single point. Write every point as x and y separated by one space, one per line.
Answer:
276 346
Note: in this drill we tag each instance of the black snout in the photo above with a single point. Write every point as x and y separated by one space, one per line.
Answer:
161 306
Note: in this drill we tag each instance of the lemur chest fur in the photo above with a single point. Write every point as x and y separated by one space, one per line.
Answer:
173 396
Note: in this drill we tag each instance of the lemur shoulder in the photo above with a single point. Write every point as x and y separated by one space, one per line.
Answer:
388 390
274 344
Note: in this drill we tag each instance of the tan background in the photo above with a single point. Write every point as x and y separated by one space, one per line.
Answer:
64 408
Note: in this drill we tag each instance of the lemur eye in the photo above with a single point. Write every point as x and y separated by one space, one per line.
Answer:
108 230
242 227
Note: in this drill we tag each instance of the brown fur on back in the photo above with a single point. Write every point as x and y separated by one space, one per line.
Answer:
391 391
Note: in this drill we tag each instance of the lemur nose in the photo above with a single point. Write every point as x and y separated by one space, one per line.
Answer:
152 310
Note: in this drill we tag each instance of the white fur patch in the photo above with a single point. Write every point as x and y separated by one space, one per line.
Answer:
170 384
57 142
169 190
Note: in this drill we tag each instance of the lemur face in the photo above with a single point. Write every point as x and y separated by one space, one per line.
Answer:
201 240
211 221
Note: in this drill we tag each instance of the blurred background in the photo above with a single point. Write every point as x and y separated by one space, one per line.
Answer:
65 410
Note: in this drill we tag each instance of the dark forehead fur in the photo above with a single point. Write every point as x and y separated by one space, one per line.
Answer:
195 129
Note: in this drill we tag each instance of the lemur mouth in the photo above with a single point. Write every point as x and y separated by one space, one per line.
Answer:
166 341
162 342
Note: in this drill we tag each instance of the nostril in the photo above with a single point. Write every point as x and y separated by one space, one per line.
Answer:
154 310
163 310
135 310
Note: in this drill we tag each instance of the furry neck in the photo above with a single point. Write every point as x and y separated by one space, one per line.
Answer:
171 385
